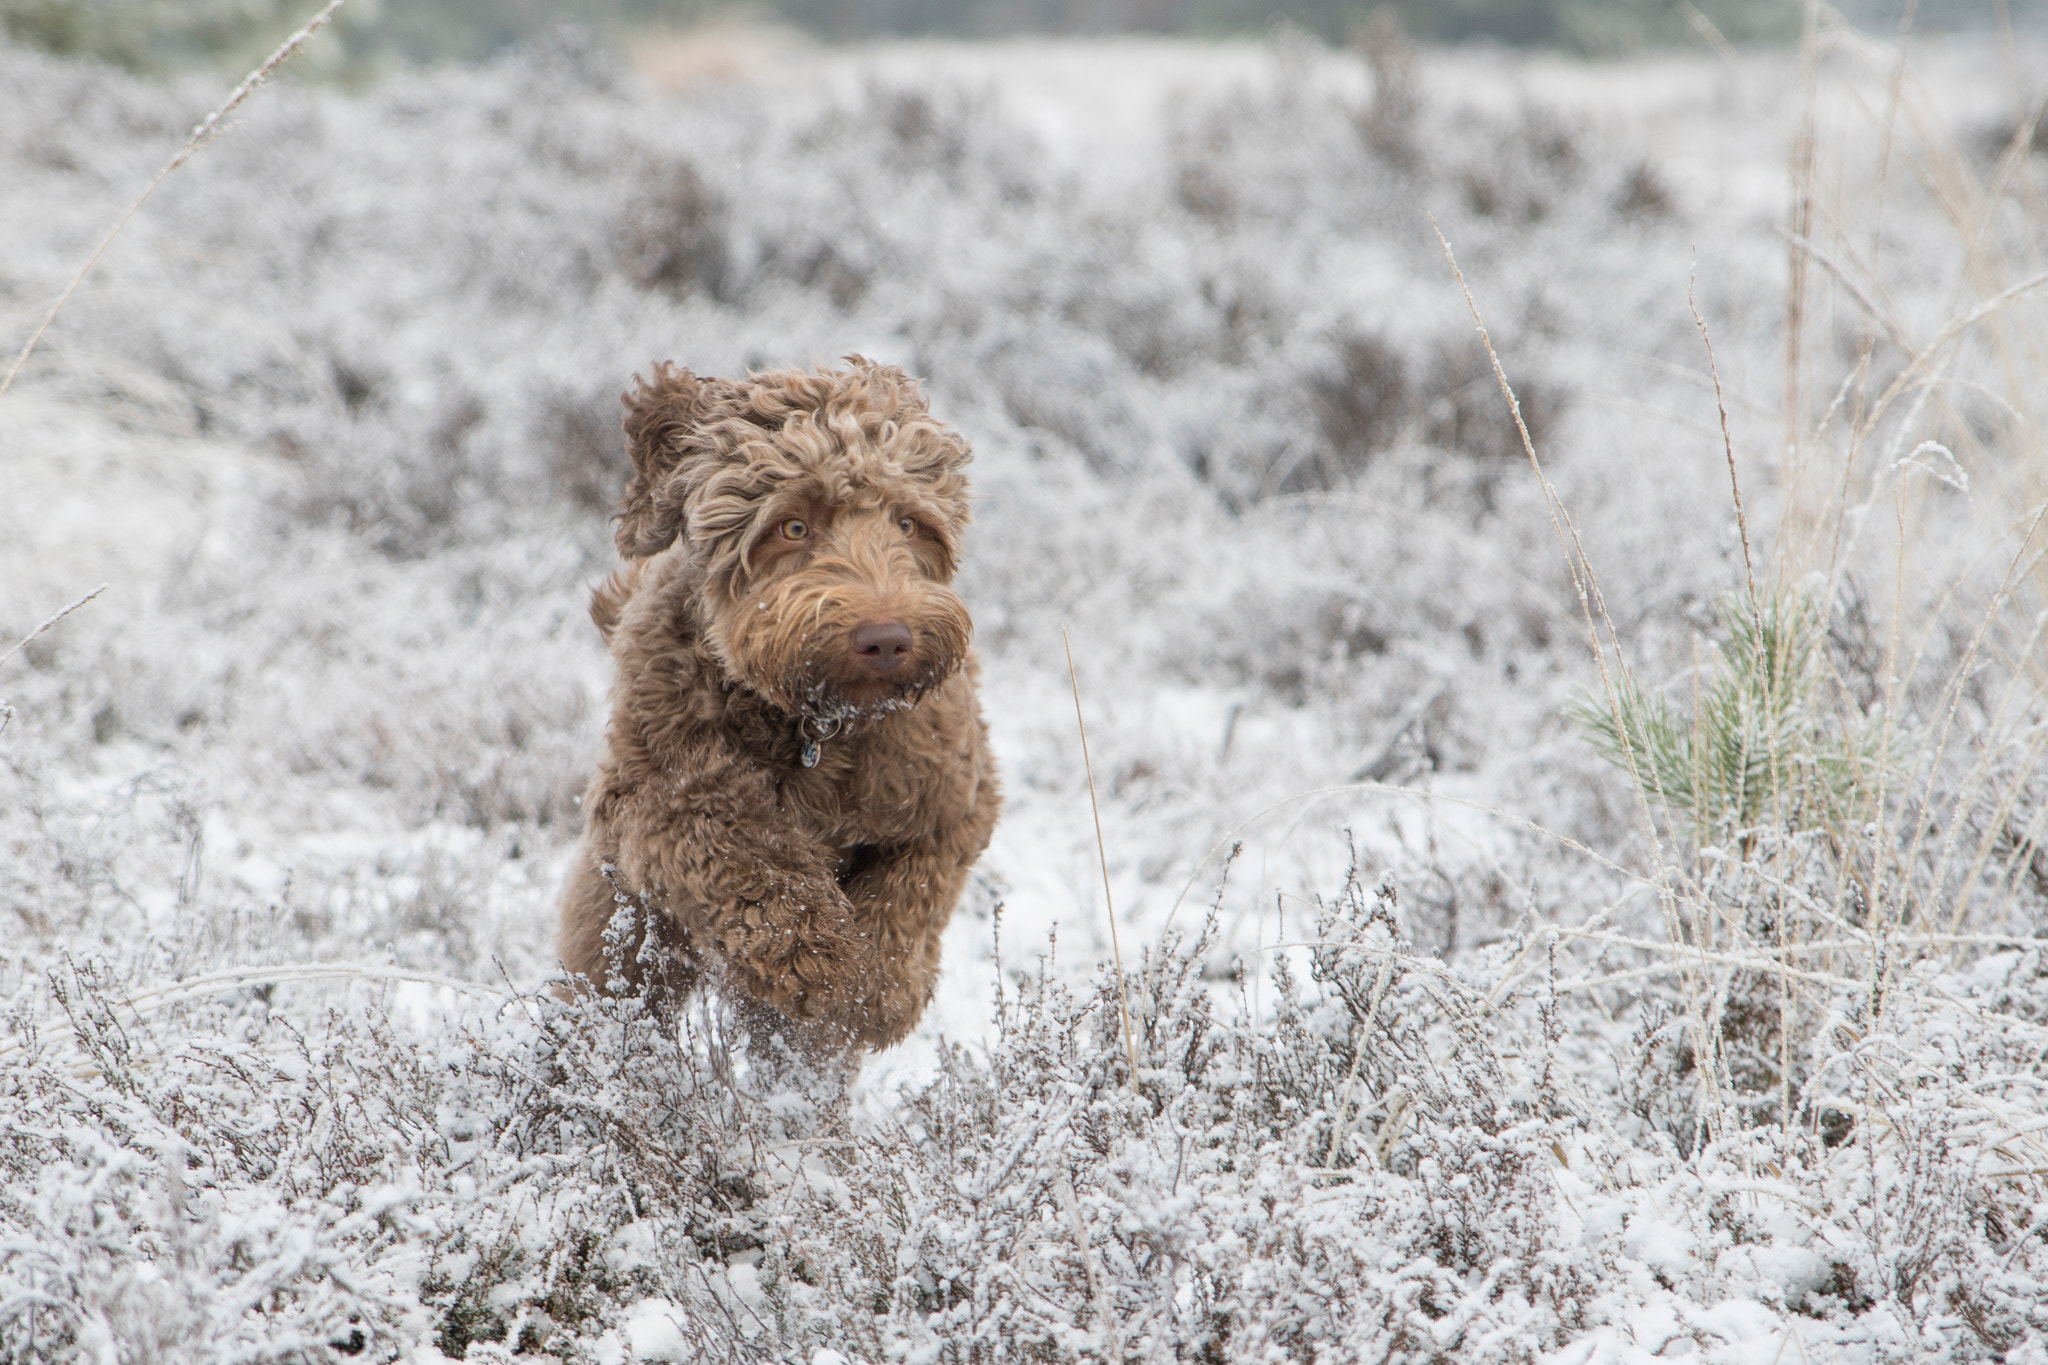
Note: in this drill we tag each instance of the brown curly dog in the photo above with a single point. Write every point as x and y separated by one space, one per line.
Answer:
796 778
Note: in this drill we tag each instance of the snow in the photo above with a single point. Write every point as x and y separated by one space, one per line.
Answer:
284 811
654 1330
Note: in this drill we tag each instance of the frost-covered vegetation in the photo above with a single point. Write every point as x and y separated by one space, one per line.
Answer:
1564 918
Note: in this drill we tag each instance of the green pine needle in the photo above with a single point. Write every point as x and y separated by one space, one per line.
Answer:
1763 748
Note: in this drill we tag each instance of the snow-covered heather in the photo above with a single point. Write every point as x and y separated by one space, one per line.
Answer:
1470 1056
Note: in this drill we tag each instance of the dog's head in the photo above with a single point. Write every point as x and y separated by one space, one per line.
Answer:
822 513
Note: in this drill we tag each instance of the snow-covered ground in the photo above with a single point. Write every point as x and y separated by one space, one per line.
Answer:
283 810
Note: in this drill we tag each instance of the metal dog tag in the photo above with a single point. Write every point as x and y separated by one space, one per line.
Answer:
810 754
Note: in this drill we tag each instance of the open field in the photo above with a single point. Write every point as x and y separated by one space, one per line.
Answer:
1460 1033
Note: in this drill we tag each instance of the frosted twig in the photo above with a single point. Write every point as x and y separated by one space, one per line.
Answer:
206 130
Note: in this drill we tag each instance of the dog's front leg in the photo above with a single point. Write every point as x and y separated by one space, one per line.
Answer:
901 905
748 892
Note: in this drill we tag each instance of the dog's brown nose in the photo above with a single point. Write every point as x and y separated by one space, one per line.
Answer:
881 645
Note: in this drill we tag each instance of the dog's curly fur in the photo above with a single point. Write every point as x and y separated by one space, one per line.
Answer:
771 526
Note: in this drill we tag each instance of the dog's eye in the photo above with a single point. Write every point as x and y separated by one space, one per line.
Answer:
796 528
907 526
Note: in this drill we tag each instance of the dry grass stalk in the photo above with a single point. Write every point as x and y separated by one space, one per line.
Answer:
6 711
1727 447
207 129
29 638
1102 852
1802 225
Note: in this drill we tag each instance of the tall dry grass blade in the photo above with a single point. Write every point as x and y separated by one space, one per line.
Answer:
1895 87
207 129
1577 563
1123 1002
29 638
1894 329
6 711
1728 448
1804 139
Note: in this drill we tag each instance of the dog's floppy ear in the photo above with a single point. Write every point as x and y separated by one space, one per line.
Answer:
661 415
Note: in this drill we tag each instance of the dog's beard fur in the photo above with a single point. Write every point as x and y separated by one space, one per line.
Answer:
788 641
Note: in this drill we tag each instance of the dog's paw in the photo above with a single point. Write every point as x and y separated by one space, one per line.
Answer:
797 951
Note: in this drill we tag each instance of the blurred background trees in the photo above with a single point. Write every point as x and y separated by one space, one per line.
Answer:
160 35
